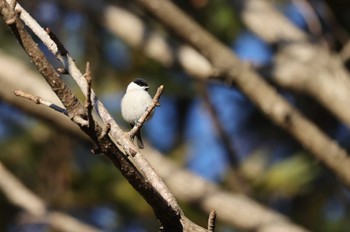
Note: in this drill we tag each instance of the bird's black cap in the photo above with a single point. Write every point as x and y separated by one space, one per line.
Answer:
141 82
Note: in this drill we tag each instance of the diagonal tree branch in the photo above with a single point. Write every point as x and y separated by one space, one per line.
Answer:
116 133
148 184
22 197
39 100
220 128
258 217
232 208
293 67
68 99
12 77
257 14
254 87
300 65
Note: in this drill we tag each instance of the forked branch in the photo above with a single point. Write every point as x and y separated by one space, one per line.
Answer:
139 172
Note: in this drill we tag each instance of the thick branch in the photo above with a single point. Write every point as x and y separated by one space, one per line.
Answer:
290 71
22 197
254 87
118 135
257 216
12 78
234 209
268 23
67 97
133 30
300 66
143 178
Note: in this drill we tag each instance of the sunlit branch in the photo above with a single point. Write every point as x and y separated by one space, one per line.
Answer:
147 113
39 100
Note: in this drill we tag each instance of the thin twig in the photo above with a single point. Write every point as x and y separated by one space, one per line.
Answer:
240 184
196 65
147 113
143 178
88 103
212 221
61 49
221 130
40 101
70 67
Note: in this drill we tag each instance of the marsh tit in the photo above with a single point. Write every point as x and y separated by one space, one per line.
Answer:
134 103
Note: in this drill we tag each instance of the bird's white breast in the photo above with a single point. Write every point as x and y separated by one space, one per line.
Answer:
134 104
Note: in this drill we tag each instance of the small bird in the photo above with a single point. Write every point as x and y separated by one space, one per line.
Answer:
134 103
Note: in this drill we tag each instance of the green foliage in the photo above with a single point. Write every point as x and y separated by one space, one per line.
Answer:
222 20
286 178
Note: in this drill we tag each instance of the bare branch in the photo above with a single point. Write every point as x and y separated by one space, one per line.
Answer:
254 87
18 194
12 78
147 113
310 16
131 29
234 209
294 77
67 97
212 221
88 103
206 194
300 66
259 13
225 138
40 32
22 197
64 222
240 182
61 50
143 178
119 136
39 100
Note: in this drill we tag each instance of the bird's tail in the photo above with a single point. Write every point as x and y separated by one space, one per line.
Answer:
138 138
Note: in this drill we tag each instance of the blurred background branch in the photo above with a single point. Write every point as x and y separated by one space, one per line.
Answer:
139 173
203 194
23 198
255 88
307 64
